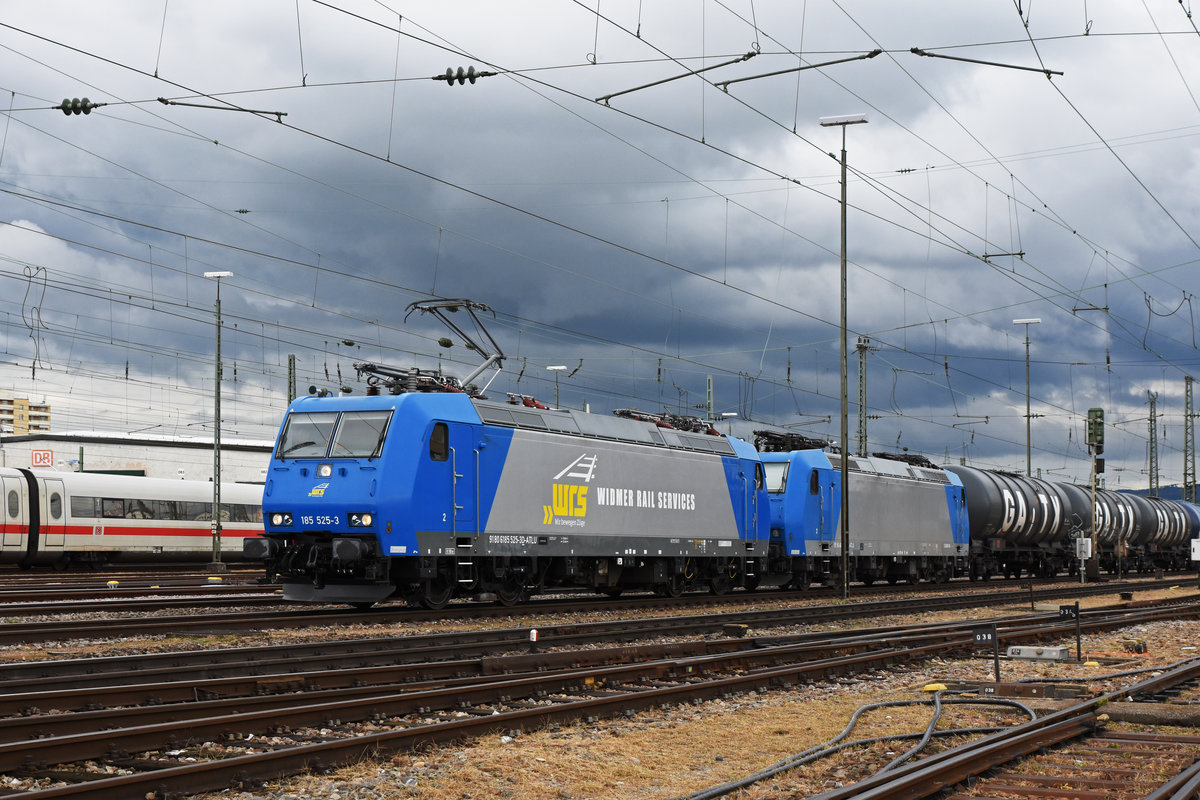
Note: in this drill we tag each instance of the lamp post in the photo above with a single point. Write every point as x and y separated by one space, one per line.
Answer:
557 368
216 565
1028 439
844 518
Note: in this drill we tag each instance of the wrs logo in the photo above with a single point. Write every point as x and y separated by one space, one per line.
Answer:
568 501
318 490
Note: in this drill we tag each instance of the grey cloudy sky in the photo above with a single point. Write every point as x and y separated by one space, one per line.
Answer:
683 230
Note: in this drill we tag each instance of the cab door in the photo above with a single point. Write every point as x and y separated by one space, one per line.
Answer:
756 488
14 521
464 461
452 445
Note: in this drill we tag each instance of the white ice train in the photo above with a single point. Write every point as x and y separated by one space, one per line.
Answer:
59 518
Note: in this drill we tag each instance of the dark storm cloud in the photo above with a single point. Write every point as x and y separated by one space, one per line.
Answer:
678 233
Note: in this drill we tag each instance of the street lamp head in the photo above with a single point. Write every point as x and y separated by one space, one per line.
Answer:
728 414
1030 321
842 119
557 368
218 275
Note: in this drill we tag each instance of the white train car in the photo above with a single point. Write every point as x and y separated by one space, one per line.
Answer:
60 518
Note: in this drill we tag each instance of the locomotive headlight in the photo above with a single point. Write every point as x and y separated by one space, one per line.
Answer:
281 519
361 519
324 470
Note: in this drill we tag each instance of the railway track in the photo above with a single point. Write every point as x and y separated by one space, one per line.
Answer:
1078 759
484 681
145 591
51 593
14 632
148 573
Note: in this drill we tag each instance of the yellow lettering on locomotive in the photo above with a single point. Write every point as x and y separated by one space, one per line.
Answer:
318 490
566 500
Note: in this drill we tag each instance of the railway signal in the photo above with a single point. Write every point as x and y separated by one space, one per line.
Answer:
1095 440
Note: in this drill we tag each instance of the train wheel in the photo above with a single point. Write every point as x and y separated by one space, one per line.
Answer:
436 593
509 595
672 587
724 579
719 585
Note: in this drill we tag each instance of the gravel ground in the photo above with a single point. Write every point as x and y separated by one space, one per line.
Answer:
669 753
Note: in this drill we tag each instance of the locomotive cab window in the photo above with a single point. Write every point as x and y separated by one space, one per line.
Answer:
306 435
439 442
360 434
776 474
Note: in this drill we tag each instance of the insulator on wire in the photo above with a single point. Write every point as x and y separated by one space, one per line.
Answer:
461 76
75 105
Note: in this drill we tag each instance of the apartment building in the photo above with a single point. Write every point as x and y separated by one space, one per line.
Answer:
20 416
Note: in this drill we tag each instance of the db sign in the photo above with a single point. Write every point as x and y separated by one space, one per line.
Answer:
43 458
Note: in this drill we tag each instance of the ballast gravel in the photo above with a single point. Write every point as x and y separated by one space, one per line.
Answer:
670 753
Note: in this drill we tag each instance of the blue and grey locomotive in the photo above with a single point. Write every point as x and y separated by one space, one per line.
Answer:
428 495
909 521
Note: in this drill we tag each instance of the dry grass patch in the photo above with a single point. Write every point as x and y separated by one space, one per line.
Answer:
657 754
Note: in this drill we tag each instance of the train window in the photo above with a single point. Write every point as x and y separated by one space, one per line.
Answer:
138 509
814 483
360 434
439 442
14 504
191 509
776 475
112 507
758 477
83 506
56 505
162 509
247 513
306 435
